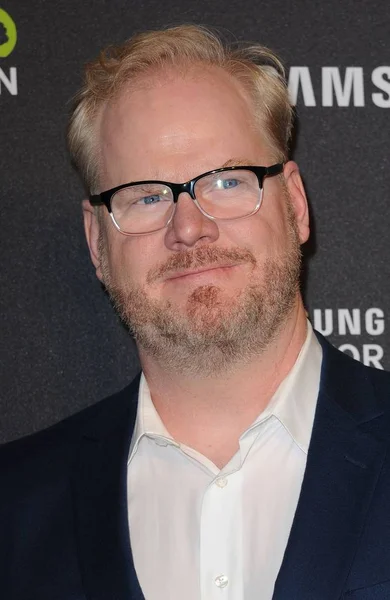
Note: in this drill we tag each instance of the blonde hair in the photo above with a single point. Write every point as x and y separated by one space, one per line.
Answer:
260 71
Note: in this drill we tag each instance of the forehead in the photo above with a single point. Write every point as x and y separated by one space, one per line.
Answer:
172 120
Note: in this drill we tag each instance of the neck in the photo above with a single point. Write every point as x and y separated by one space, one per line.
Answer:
210 414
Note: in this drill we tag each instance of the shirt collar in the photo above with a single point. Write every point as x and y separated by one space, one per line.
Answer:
293 403
148 422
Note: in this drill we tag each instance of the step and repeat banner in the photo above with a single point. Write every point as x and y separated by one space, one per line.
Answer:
61 345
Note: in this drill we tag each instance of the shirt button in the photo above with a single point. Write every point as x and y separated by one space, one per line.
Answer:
221 581
222 482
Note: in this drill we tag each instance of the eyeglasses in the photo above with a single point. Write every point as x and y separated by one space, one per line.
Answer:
144 207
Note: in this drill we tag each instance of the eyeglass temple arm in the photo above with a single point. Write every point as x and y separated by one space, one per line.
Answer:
95 200
275 169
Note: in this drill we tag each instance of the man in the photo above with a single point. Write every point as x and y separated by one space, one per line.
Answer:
248 461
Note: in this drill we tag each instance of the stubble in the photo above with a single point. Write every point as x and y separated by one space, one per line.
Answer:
212 331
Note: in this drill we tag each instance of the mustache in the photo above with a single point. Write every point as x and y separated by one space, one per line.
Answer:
200 257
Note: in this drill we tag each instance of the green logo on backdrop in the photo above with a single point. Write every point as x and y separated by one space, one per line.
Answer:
8 35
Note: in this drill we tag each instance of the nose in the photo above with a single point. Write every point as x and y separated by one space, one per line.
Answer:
189 226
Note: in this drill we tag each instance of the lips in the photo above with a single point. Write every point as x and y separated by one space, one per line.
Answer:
188 272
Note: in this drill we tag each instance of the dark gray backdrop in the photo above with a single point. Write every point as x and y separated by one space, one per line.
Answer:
61 346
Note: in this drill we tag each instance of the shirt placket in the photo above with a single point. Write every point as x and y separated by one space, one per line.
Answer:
221 539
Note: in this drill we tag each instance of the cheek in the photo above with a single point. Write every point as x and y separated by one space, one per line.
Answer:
262 234
273 227
132 258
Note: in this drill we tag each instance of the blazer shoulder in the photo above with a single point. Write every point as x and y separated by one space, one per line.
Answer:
342 375
381 381
55 446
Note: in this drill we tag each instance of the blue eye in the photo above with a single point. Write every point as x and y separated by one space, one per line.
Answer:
152 199
229 183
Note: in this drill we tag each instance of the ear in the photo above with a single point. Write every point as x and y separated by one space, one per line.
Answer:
298 198
92 230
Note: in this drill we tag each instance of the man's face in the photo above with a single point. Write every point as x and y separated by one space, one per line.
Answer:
198 291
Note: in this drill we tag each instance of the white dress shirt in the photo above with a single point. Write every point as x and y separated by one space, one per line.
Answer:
201 533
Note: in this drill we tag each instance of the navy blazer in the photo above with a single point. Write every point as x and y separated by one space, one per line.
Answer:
63 509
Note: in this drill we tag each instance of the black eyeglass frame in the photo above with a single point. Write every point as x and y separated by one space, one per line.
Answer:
104 198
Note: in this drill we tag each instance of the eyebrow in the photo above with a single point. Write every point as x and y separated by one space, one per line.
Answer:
238 162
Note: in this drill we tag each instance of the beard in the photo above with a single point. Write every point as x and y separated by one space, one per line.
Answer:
213 331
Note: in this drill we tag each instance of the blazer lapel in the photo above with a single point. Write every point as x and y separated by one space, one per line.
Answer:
100 495
344 461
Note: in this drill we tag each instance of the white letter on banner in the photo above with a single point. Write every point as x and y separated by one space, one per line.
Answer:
381 79
372 355
317 319
10 83
375 326
301 75
348 321
331 82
